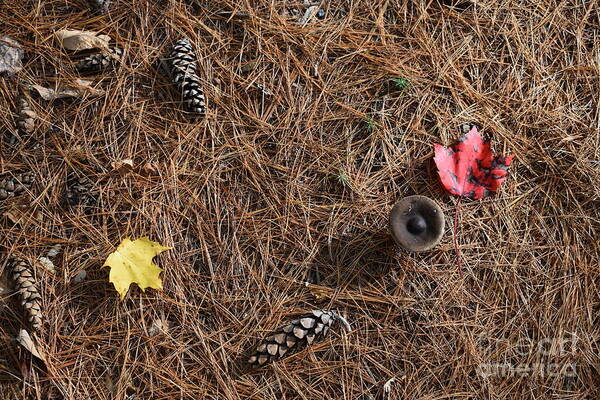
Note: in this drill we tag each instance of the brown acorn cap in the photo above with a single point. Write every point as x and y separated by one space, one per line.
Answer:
417 223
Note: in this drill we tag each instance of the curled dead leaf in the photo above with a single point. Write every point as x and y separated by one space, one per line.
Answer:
85 86
27 342
53 94
75 40
77 88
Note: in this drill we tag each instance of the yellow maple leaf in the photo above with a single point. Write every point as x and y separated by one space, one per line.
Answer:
132 263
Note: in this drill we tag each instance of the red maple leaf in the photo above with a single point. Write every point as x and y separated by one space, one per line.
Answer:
469 168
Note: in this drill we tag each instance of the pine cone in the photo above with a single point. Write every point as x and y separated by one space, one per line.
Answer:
302 331
80 191
26 119
182 62
26 286
100 61
15 185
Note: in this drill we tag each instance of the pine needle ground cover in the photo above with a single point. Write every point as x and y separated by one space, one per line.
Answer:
275 202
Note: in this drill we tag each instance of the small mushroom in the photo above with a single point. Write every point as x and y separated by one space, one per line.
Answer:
417 223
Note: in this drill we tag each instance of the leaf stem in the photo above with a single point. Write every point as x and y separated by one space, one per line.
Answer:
456 233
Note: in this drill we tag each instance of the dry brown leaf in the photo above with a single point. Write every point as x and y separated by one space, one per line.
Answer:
249 66
19 214
76 40
53 94
45 263
78 88
158 326
110 386
149 169
77 152
25 340
318 292
122 166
